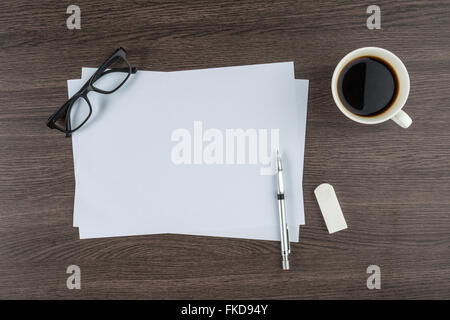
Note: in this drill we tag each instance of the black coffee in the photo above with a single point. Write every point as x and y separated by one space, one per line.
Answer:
367 86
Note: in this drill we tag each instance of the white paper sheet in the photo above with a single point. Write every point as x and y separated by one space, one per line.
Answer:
123 188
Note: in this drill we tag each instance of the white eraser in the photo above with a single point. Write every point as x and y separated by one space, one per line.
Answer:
330 208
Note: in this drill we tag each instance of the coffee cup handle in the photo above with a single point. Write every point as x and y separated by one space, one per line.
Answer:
402 119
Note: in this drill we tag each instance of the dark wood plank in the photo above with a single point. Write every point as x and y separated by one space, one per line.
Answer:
393 184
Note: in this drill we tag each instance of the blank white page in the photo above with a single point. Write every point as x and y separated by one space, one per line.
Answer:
127 183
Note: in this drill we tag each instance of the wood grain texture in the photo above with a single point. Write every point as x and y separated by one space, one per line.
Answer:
393 184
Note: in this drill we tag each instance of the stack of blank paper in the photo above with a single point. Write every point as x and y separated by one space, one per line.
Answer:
191 152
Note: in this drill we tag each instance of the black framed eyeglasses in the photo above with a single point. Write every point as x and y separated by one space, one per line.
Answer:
111 75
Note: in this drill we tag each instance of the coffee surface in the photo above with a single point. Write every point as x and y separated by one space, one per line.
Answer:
367 86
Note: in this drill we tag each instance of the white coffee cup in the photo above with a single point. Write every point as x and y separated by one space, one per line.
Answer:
395 111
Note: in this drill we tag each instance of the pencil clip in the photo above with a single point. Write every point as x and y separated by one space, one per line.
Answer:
288 241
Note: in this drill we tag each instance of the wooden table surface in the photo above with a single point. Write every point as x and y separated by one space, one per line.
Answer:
393 183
